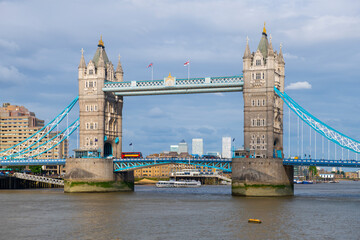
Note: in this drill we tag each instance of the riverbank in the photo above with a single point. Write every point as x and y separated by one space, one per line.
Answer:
145 181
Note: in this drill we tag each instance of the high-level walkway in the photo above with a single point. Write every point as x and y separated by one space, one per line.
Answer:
172 85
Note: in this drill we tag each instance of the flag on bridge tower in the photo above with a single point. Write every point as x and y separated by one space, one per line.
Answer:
187 64
152 70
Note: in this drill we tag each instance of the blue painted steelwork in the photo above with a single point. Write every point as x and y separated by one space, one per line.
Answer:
322 128
62 136
39 135
178 86
322 163
65 134
222 164
134 163
32 162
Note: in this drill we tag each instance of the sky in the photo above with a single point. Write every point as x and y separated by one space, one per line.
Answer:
41 41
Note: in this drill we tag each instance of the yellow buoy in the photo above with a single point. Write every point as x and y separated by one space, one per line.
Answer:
253 220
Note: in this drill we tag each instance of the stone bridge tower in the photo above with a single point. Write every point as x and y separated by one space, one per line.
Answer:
263 109
100 130
261 172
100 112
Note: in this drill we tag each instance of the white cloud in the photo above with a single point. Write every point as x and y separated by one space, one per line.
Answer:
292 56
324 29
10 45
9 73
156 112
298 86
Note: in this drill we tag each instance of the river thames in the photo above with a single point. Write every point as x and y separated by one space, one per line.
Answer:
318 211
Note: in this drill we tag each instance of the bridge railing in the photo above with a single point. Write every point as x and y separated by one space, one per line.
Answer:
32 162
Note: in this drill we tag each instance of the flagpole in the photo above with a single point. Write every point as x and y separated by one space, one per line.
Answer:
188 71
152 73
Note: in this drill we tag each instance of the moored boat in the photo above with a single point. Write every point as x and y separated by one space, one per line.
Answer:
307 182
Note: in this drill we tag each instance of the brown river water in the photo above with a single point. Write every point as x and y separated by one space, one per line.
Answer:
318 211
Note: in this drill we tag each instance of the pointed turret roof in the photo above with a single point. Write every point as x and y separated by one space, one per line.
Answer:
100 51
281 57
101 62
82 63
270 49
263 44
119 68
247 49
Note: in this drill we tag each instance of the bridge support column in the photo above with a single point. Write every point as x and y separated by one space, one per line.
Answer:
261 177
95 175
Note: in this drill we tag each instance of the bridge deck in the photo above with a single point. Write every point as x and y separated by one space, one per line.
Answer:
222 164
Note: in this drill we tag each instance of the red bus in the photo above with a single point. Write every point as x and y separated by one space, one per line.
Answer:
131 155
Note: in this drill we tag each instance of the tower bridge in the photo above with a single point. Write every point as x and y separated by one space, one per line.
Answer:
101 93
264 172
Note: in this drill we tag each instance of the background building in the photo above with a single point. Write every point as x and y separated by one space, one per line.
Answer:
197 146
174 148
183 147
226 147
17 124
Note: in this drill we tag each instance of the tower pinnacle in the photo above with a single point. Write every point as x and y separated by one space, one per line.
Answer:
247 49
82 60
119 73
101 43
264 29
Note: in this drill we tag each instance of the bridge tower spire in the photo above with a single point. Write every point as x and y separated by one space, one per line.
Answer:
263 124
119 73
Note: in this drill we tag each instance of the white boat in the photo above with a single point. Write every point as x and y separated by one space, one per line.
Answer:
177 184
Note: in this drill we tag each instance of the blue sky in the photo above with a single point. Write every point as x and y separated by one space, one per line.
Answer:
40 44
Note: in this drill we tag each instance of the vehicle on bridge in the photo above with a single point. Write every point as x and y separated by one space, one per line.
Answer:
131 155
